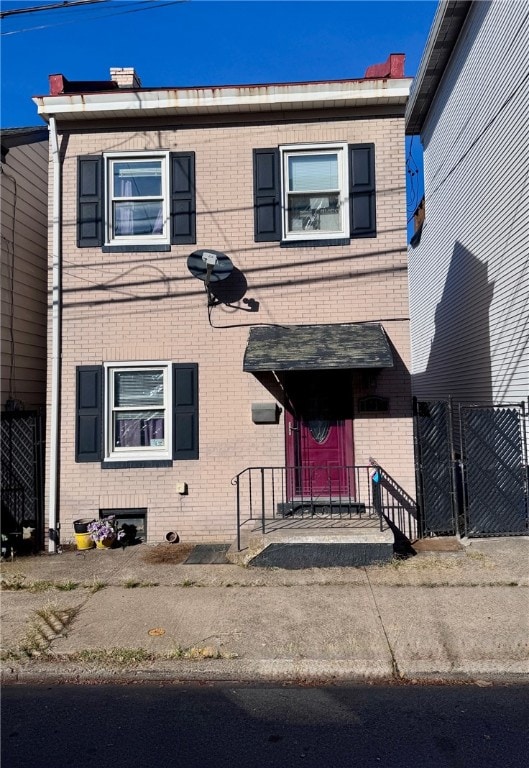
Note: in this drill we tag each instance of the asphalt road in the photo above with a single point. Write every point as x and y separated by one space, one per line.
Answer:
270 726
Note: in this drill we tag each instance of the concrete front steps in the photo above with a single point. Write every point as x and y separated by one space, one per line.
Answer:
313 548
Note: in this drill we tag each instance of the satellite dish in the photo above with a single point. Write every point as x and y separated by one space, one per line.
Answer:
209 265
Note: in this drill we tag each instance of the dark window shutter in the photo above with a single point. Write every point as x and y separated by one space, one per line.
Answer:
89 410
267 195
89 201
185 411
362 190
183 198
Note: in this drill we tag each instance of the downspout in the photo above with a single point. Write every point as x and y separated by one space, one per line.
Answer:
53 528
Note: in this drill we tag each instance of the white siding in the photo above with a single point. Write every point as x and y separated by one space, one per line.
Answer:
469 277
24 186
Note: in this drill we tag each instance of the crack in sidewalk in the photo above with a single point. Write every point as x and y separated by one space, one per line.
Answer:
394 665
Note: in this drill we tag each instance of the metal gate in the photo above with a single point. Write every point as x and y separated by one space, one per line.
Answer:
434 467
495 468
472 476
22 473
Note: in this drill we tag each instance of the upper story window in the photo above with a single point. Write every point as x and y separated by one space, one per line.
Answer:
138 199
315 192
322 193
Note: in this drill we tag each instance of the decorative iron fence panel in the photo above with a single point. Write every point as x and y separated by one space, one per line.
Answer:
495 470
434 467
21 472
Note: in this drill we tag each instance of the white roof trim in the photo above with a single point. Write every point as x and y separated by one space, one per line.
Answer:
258 98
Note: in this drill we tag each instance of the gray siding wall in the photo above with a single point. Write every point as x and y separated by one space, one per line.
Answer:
469 276
24 227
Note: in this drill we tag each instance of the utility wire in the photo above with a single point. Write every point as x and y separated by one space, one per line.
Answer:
50 7
151 5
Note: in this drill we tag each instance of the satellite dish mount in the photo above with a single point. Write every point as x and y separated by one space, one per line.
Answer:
211 267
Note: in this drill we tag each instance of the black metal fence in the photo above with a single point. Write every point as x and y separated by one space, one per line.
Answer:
22 475
433 449
472 468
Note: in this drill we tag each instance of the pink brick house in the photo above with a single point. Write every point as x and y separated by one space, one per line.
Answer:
162 387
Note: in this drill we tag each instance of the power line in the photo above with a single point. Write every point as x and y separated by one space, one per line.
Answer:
151 4
50 7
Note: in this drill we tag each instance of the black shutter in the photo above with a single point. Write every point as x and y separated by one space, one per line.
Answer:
267 195
183 198
362 190
89 410
89 201
185 411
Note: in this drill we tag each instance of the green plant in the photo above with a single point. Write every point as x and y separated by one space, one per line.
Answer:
66 586
116 656
132 584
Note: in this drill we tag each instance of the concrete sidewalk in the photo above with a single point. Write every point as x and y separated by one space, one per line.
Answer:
112 615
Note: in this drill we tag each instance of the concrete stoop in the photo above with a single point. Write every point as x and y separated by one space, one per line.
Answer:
313 549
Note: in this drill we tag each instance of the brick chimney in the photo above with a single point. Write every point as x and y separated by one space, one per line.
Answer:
392 68
125 77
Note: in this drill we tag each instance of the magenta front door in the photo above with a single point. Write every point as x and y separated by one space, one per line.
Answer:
319 450
319 438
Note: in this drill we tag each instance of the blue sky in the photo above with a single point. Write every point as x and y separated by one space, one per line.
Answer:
202 42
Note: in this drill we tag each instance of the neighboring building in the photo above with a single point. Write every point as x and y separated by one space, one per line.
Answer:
469 271
163 391
24 226
469 259
24 285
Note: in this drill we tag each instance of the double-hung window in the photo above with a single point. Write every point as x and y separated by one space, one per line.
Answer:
136 413
315 192
138 409
138 193
136 201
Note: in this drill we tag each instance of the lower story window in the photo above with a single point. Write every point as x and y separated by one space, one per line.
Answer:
138 406
136 413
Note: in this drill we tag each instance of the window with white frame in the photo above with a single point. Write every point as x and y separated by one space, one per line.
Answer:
315 198
138 411
138 198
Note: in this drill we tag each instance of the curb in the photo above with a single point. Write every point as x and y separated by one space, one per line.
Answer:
284 671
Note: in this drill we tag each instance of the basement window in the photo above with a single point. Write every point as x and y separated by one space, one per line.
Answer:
132 521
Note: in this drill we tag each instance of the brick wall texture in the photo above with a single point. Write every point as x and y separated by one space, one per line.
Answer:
147 306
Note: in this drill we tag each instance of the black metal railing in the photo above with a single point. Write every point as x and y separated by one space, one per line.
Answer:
394 504
364 494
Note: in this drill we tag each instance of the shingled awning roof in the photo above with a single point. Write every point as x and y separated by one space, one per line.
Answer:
317 347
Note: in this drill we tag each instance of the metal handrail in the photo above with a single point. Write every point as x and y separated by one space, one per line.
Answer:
266 493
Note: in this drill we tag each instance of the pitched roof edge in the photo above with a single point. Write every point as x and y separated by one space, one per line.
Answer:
444 33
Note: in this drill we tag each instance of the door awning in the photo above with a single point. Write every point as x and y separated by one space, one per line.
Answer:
317 347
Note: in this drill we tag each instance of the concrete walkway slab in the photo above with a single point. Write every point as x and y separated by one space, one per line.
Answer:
456 629
272 623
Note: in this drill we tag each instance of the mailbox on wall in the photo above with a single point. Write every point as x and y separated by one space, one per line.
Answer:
265 413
